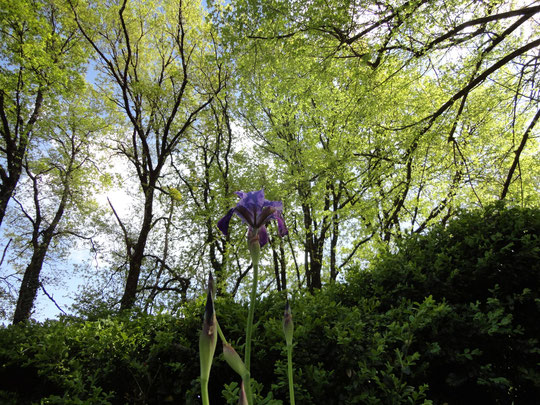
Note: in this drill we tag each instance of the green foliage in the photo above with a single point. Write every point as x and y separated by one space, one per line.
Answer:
112 360
485 267
451 317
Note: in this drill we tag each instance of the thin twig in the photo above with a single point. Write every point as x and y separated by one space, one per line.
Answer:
51 298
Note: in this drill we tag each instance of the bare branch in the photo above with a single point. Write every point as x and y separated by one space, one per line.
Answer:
518 152
5 251
51 298
127 239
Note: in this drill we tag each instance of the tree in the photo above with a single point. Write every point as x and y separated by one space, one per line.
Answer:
159 61
42 59
385 117
203 176
54 200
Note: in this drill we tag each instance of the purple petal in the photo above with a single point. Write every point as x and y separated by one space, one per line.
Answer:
223 223
253 200
255 211
245 215
265 216
263 236
278 205
282 229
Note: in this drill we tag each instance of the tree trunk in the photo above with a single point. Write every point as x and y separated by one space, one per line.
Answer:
316 268
30 285
276 266
333 246
16 144
137 255
282 262
6 191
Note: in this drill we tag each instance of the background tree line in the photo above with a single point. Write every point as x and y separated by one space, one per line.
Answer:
369 120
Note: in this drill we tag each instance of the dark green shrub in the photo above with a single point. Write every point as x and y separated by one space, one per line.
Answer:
113 360
452 317
486 267
341 354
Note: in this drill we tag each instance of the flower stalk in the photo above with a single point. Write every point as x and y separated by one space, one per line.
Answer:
254 250
255 211
288 331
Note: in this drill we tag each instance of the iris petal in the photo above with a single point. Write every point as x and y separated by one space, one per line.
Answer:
223 223
263 236
265 216
255 211
253 200
282 229
245 215
278 205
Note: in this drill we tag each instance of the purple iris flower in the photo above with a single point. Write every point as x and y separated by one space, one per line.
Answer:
255 211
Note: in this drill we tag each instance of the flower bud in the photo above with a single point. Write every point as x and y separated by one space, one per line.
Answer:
211 286
208 338
233 359
243 398
288 326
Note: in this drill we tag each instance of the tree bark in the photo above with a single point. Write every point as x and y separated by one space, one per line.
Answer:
277 273
30 285
137 254
283 265
9 182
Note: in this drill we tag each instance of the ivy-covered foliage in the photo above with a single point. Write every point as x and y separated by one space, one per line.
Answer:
451 317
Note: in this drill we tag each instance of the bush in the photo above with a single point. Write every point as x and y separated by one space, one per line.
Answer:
486 267
452 317
112 360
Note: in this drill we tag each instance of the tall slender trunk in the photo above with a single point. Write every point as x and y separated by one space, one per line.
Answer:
277 273
30 282
308 248
217 265
283 264
30 285
137 255
334 239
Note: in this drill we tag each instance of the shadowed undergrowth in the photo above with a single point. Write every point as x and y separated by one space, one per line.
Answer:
452 317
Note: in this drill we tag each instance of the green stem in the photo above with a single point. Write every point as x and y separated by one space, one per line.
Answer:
249 328
290 372
221 335
204 391
251 315
247 387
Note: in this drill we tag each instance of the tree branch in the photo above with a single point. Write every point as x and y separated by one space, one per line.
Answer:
127 240
51 298
518 154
